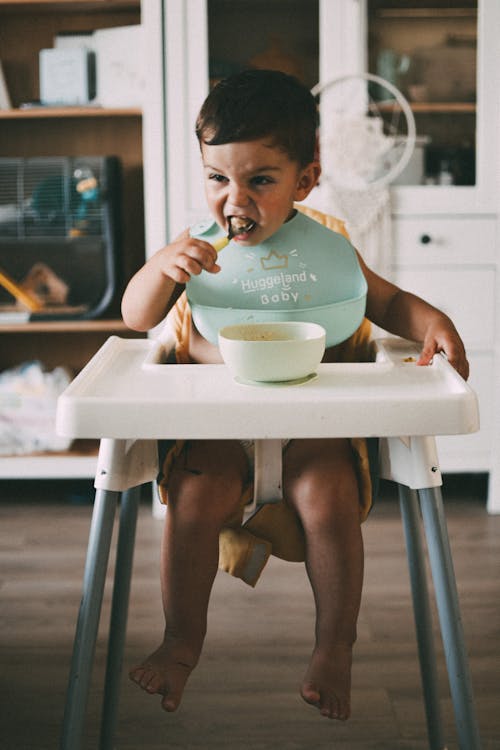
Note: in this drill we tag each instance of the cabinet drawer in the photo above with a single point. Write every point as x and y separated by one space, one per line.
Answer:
466 295
441 240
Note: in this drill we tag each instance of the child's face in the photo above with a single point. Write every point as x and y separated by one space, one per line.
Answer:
255 180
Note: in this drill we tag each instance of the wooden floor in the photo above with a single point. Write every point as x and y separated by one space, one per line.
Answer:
244 693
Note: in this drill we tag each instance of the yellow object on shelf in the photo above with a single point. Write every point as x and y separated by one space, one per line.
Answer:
27 299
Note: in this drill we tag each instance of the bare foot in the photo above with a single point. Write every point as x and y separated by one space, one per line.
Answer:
166 672
327 684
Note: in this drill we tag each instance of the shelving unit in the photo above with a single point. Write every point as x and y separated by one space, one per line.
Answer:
30 131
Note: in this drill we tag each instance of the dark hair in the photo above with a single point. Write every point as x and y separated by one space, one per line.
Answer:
259 103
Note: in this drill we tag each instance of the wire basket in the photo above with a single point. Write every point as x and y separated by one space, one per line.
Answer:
61 213
52 197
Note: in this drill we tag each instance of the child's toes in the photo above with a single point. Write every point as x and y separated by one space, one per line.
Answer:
334 708
327 707
310 694
136 674
148 680
173 692
155 684
171 701
341 709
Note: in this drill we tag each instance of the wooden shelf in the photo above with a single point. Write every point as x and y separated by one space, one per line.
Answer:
69 5
77 463
77 326
427 13
58 112
443 108
438 108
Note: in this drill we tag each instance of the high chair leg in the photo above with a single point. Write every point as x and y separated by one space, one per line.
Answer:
441 561
422 613
96 564
119 610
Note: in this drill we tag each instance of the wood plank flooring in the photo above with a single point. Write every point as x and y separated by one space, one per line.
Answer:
244 693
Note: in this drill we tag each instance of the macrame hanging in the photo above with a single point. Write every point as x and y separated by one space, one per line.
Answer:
367 136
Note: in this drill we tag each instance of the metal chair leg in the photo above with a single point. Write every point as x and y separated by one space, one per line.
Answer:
119 610
96 564
422 614
443 574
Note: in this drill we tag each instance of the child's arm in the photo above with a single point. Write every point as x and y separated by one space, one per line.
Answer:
409 316
156 286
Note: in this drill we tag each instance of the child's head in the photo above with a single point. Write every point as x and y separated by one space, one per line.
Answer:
257 134
259 104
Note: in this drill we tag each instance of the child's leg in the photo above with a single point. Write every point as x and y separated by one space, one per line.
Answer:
320 483
204 490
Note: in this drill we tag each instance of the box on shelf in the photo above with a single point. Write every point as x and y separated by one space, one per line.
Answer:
67 76
5 100
119 62
121 72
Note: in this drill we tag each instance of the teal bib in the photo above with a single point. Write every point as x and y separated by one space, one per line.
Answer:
302 272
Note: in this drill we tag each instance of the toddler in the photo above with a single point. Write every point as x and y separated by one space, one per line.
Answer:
257 136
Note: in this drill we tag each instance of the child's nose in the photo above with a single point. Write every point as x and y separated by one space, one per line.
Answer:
238 196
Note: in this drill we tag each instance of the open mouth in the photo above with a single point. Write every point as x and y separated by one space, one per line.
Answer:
240 225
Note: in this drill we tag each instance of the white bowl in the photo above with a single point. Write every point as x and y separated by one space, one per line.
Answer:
271 352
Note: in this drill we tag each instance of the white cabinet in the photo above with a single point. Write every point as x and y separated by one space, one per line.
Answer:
446 237
446 245
451 262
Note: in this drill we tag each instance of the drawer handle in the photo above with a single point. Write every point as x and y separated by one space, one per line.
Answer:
425 239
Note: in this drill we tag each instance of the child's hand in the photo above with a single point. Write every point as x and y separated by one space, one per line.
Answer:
443 337
151 292
186 257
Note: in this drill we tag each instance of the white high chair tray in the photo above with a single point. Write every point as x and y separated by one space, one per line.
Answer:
125 392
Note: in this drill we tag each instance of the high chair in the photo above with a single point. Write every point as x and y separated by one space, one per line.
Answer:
129 398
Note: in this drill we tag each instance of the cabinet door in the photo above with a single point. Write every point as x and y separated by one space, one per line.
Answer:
459 453
206 40
430 54
443 57
281 35
466 295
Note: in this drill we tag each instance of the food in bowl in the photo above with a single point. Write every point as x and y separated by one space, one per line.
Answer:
272 352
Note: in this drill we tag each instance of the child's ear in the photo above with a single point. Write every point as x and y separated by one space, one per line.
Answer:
308 178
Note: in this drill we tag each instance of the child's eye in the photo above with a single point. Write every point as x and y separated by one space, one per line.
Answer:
217 177
261 180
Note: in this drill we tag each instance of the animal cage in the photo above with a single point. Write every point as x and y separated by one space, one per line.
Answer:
59 235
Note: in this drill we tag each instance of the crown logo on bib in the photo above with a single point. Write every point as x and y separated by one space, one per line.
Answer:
273 261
